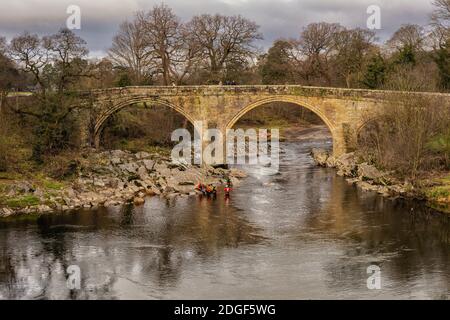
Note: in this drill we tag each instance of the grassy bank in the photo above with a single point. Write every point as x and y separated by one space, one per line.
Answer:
437 193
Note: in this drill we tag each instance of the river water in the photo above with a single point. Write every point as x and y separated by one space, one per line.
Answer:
303 233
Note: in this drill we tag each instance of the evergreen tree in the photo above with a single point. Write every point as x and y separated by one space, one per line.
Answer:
406 57
375 73
124 80
276 68
442 58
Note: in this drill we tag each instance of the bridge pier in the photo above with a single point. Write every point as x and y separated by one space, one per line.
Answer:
339 146
97 141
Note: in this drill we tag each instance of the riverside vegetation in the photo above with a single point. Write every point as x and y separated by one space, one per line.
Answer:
403 151
436 191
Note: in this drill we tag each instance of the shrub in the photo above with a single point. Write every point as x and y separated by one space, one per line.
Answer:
11 144
408 135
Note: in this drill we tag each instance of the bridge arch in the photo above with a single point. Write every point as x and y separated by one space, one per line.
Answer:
103 117
292 100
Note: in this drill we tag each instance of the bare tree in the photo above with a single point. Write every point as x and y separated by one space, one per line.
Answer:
2 45
316 43
403 134
31 56
104 74
318 38
411 36
8 74
54 62
441 15
58 55
351 47
187 57
223 39
168 42
412 79
66 50
130 50
440 20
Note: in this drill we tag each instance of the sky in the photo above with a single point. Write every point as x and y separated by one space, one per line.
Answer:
277 18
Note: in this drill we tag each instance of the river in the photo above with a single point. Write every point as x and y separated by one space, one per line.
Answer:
304 233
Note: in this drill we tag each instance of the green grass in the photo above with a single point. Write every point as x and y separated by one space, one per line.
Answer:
7 176
22 201
53 185
441 207
440 192
3 188
440 144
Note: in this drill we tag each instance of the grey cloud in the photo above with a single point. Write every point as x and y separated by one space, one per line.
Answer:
282 18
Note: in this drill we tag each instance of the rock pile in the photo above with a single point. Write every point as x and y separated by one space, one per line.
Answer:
364 175
117 177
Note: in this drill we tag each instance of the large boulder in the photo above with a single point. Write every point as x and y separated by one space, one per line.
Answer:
112 182
162 169
347 165
169 189
118 154
142 155
235 181
6 212
128 167
400 189
142 173
23 187
331 162
112 203
115 161
90 199
188 177
149 164
99 183
138 201
370 172
236 173
161 183
44 209
320 156
367 186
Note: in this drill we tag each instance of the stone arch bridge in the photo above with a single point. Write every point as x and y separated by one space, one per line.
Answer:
344 111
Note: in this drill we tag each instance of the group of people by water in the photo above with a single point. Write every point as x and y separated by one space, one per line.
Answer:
211 190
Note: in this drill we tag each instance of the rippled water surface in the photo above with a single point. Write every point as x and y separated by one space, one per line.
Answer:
304 233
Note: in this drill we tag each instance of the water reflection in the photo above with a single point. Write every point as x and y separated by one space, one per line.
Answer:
304 233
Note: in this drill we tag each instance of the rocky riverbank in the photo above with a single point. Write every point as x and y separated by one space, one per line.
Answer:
364 175
108 179
369 178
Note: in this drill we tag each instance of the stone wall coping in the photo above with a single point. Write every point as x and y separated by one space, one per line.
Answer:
256 89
